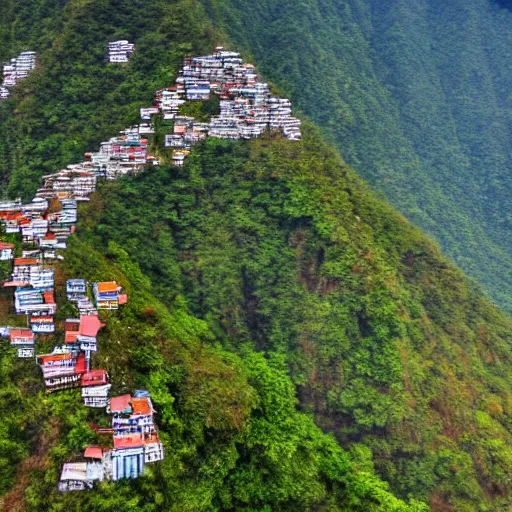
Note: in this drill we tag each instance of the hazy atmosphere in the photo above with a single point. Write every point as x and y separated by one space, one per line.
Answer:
255 256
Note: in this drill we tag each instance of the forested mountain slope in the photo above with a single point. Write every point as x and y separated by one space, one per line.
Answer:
416 96
268 287
280 248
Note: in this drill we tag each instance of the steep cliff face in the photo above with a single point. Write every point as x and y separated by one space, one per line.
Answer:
261 272
415 95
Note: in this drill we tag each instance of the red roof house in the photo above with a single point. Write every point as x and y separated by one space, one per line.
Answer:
94 378
128 441
72 330
121 404
21 337
93 452
90 325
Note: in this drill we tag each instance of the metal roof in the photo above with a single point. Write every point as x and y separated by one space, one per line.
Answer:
74 471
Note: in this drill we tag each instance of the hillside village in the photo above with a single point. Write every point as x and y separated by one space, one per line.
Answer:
247 108
17 69
42 226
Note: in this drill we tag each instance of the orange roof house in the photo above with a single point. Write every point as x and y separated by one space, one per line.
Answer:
49 297
142 407
52 358
18 262
108 287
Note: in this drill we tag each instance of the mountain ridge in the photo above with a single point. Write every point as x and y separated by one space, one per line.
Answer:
259 265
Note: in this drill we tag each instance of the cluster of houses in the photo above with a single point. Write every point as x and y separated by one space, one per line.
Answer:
15 70
43 225
34 297
126 153
135 443
76 182
120 51
186 132
247 109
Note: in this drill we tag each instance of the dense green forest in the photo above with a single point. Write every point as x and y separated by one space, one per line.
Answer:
233 437
306 347
280 248
415 95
